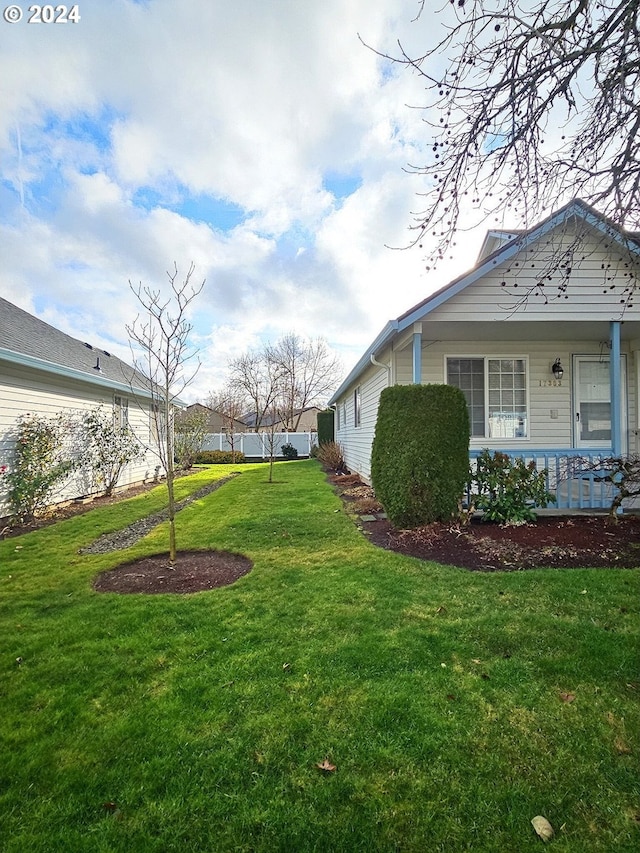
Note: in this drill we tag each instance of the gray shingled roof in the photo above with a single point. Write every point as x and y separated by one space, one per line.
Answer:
24 337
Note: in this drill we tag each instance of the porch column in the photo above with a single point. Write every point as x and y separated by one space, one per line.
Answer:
615 382
417 353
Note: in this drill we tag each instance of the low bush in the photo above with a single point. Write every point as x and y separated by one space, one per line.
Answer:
330 456
507 489
219 457
289 451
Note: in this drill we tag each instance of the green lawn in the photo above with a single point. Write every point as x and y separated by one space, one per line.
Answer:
195 723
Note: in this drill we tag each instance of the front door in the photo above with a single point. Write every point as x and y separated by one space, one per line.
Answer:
592 401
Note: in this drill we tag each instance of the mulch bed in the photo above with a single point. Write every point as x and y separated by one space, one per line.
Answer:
559 542
194 571
554 541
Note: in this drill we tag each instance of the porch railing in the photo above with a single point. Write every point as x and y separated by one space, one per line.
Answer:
572 476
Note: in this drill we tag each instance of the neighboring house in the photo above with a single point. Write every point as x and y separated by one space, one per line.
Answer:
498 331
44 371
308 421
216 421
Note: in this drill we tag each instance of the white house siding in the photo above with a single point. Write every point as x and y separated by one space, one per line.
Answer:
545 431
356 441
589 296
24 390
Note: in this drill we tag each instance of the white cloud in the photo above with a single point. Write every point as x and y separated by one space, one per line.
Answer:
252 102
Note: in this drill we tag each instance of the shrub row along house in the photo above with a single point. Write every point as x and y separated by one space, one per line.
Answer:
543 338
44 372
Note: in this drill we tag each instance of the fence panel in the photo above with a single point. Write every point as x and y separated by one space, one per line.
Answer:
257 445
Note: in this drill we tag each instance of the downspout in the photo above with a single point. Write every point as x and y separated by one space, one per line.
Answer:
387 367
417 353
615 382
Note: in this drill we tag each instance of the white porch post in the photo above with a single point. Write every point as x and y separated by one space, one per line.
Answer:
417 353
615 382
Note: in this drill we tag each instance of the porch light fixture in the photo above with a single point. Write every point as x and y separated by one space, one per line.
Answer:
557 369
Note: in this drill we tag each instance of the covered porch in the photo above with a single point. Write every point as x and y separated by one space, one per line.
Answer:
572 401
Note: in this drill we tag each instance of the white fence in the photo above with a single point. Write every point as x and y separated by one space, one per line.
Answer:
257 445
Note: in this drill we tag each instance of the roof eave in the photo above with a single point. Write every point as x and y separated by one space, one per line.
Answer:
69 373
383 338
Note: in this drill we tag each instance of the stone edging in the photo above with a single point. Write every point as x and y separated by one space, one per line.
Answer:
128 536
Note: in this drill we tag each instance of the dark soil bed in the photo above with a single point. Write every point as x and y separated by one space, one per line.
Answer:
554 541
194 571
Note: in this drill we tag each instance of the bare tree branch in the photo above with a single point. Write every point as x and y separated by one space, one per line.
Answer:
163 338
535 107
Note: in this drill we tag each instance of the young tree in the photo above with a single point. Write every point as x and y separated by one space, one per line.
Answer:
272 436
163 339
529 106
308 370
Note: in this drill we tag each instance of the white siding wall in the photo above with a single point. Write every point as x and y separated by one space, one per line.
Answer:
589 296
357 441
597 263
544 431
23 390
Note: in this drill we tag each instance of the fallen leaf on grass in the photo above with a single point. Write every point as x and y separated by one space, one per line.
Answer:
326 766
567 697
622 748
542 827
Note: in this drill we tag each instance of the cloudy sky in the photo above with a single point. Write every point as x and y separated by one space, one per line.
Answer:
259 139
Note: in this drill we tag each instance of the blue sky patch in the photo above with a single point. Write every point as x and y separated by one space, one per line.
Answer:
83 127
341 186
219 214
216 212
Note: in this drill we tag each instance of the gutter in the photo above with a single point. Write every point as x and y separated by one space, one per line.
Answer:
70 373
383 338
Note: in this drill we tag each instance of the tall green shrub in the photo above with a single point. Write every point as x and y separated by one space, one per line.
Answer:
326 432
420 455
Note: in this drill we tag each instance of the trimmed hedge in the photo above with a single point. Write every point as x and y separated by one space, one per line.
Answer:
326 432
218 457
420 454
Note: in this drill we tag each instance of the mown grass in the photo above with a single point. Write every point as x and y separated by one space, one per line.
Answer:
455 706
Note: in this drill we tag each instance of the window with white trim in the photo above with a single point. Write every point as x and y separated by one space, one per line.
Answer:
120 412
357 407
496 393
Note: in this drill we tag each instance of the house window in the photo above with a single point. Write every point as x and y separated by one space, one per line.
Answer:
120 412
338 420
357 407
496 393
154 424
